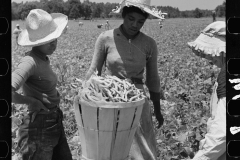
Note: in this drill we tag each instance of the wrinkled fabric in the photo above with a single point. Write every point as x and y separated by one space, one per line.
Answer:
129 58
144 142
213 146
126 58
43 139
221 80
37 79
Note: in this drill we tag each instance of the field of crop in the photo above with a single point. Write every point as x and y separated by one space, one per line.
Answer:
186 81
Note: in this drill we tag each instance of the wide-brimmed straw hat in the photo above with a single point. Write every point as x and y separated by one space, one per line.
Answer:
211 42
144 5
42 28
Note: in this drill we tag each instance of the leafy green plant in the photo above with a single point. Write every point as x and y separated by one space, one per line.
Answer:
186 82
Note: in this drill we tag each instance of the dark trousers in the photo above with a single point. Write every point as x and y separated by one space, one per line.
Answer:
43 139
214 18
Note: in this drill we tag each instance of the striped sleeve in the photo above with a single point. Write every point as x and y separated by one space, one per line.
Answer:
23 71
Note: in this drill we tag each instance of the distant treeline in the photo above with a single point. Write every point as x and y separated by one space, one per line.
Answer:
76 9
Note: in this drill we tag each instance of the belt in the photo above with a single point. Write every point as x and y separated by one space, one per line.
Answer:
55 109
135 81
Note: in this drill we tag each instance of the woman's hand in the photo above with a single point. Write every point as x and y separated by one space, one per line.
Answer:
35 107
155 97
158 114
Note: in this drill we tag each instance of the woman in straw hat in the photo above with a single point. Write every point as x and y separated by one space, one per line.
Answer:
211 45
126 52
41 135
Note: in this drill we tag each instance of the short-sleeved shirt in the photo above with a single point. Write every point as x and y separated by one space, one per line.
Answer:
128 58
37 79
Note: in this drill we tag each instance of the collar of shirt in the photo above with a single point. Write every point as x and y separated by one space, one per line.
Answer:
40 55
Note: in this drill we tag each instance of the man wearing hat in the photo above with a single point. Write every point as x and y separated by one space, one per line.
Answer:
16 32
211 44
126 53
41 134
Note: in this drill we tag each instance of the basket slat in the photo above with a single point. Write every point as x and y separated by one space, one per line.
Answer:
134 127
105 128
90 130
123 131
106 120
78 117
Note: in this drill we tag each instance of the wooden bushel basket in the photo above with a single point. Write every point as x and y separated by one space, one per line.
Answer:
107 129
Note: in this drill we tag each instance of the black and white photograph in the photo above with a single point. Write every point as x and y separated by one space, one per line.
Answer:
120 80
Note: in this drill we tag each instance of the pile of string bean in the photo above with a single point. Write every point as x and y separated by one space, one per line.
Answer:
110 89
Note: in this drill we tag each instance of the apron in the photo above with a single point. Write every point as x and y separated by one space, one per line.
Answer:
213 146
144 141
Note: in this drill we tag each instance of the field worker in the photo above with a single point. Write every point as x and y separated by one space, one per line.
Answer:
99 25
80 24
211 45
41 135
107 25
214 15
160 24
126 52
16 32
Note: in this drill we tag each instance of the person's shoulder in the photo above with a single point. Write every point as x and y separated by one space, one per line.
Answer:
107 33
147 38
29 58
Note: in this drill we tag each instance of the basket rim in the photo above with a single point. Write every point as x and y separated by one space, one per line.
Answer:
113 105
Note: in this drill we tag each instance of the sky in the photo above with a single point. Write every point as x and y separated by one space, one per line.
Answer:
182 5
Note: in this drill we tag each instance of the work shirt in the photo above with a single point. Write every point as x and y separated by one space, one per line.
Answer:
37 79
127 58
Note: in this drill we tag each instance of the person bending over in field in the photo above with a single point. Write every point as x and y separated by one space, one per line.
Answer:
16 32
107 25
126 52
211 45
41 135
